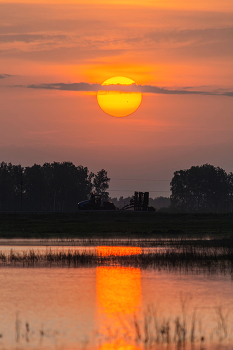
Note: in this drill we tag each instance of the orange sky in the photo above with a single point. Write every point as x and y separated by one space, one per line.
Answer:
174 45
212 5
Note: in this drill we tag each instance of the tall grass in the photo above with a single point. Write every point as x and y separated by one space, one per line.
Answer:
182 258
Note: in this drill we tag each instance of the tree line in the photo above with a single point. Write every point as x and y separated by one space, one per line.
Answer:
202 188
48 187
60 186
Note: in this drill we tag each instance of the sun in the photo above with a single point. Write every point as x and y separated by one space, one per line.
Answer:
116 102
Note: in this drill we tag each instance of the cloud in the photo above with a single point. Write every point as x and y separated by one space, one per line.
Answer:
30 38
3 76
192 36
64 54
43 132
72 33
129 88
68 87
229 93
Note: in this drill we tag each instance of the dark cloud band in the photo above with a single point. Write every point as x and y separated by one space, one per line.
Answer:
127 88
3 76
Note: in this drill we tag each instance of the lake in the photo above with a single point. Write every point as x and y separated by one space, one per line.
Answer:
112 307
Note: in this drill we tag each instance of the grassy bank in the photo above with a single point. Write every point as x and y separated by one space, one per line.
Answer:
112 225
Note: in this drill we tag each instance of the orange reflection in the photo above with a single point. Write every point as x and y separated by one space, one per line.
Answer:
118 298
120 251
119 346
118 289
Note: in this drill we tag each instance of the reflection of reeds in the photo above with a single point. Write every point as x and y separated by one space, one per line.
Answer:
17 328
145 242
182 258
153 330
25 334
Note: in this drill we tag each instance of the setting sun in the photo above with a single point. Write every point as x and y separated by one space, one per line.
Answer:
119 103
116 174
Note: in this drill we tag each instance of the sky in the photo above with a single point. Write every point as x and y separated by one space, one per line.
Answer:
179 53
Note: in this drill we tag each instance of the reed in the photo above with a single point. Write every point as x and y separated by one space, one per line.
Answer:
149 330
207 242
182 258
182 331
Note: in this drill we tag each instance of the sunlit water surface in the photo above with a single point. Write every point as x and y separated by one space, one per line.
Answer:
69 308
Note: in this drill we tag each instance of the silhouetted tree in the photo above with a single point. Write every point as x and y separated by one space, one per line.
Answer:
160 202
66 185
101 183
51 187
35 188
230 194
121 202
157 203
11 190
200 189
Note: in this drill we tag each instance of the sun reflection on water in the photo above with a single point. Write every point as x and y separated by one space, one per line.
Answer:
118 251
118 298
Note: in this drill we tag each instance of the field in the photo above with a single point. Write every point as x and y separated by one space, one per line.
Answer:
119 224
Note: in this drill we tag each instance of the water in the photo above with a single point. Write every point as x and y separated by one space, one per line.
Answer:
69 308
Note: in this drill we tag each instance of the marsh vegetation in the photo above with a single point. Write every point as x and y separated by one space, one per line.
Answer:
209 256
152 329
118 270
185 330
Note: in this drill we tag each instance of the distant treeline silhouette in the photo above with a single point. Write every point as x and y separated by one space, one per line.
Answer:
50 187
159 203
202 188
60 186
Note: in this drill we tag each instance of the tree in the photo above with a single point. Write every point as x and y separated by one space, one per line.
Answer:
160 202
121 202
66 185
34 188
51 187
101 183
11 187
230 195
200 189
